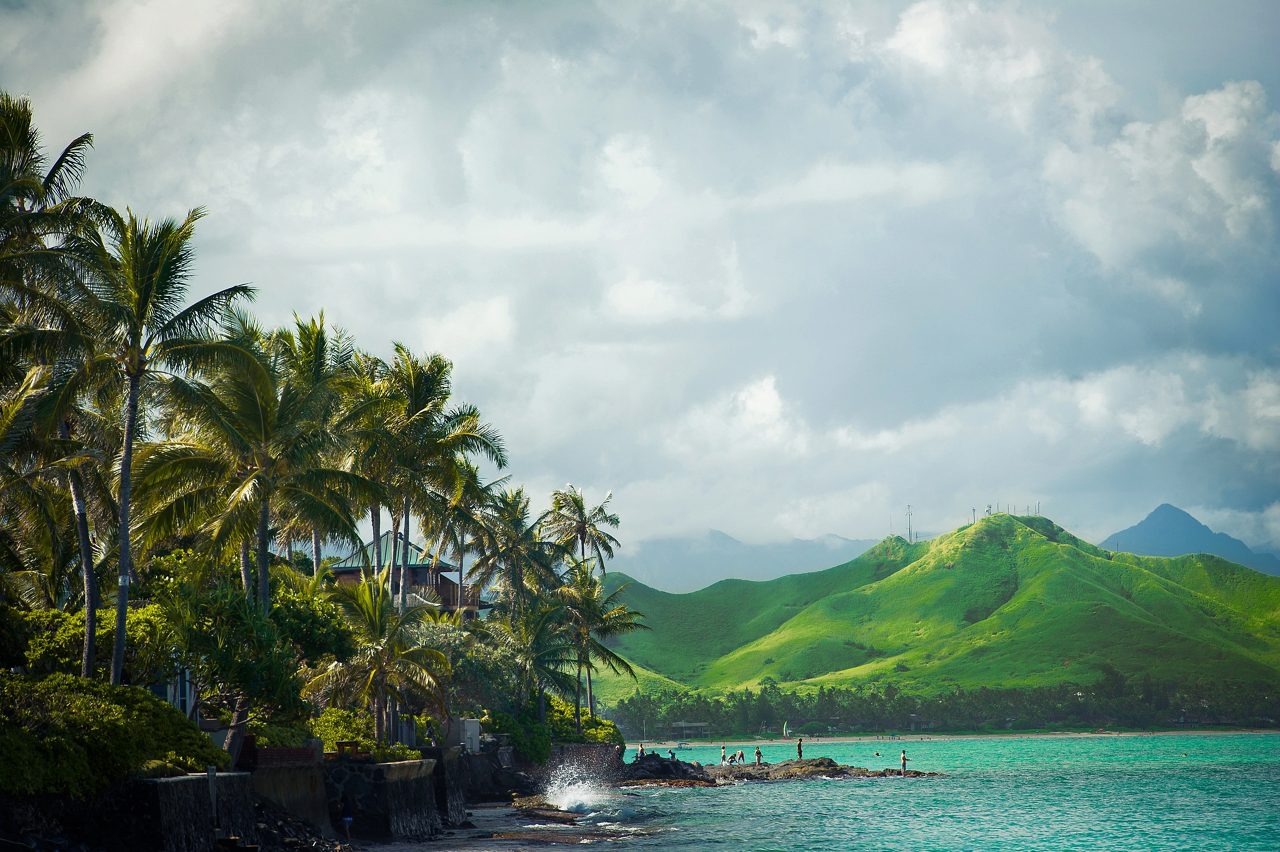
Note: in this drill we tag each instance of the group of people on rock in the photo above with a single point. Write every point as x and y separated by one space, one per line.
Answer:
738 758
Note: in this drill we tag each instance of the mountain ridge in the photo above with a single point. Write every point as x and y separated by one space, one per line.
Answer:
1006 601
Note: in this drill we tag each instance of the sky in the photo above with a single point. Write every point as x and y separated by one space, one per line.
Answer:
777 269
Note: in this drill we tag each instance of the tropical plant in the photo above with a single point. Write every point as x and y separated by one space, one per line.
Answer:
594 617
515 558
135 289
389 659
572 522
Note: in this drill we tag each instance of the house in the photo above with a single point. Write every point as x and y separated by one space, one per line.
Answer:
441 580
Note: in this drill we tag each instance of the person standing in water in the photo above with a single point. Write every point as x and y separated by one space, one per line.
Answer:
904 763
799 748
723 757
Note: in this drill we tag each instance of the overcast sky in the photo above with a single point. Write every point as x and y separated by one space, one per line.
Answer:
776 269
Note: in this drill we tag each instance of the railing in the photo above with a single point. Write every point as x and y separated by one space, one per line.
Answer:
447 591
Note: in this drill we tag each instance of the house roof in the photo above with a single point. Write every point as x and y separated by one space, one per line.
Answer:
363 557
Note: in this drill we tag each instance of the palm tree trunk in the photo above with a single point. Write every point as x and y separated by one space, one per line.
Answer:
577 697
405 579
375 520
264 555
86 561
315 552
395 552
379 720
462 555
235 733
591 698
246 570
126 555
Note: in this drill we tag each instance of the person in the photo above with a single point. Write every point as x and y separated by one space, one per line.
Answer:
799 748
671 753
904 763
877 754
742 758
759 756
733 759
723 760
640 751
347 817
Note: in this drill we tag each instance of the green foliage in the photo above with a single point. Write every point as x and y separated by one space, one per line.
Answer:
335 725
55 642
280 735
530 738
229 645
71 736
561 721
312 625
1006 602
1110 699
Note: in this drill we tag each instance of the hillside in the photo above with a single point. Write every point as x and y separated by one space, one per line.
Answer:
1008 601
1169 531
684 563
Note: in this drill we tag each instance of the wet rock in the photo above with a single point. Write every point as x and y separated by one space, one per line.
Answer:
653 768
794 770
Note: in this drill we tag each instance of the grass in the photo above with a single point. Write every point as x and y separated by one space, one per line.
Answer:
1008 601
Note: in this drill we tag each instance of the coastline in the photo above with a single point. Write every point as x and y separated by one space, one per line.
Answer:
663 745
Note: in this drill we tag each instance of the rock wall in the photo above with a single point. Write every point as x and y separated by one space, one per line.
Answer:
451 794
162 814
300 790
387 801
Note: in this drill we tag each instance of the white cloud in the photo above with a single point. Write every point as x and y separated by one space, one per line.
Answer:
473 331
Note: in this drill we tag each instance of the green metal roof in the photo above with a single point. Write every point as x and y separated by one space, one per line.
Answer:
363 558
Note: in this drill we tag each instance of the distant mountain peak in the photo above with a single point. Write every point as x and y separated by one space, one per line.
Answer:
1171 531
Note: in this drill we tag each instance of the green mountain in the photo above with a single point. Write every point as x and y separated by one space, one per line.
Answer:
1008 601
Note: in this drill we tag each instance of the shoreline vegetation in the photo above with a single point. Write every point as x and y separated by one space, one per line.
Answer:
174 476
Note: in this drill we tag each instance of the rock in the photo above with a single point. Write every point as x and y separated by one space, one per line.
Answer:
653 768
795 770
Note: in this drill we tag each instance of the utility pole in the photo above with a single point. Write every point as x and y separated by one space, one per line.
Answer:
973 510
909 539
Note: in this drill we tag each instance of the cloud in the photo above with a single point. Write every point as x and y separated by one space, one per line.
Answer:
773 270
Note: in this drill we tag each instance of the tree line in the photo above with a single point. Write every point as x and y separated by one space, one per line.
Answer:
1113 700
168 463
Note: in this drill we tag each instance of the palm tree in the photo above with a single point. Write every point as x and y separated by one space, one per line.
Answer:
390 658
541 644
572 522
254 444
38 208
320 359
463 517
431 438
594 617
515 557
137 284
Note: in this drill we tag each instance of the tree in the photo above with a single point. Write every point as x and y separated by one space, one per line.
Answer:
572 522
37 208
515 557
539 641
136 287
390 657
593 617
254 444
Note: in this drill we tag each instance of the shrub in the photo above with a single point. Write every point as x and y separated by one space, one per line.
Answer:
71 736
531 739
335 725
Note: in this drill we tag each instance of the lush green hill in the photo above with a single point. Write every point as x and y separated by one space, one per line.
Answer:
1008 601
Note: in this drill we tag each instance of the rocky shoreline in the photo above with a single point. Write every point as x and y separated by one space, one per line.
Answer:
654 769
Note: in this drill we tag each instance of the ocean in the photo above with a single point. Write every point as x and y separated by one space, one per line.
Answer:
1200 791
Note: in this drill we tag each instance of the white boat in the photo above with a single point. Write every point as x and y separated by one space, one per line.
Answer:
683 746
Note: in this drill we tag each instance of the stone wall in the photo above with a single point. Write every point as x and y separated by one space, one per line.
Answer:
387 801
163 814
300 790
451 795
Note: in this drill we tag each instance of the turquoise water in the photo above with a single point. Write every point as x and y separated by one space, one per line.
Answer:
1098 792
